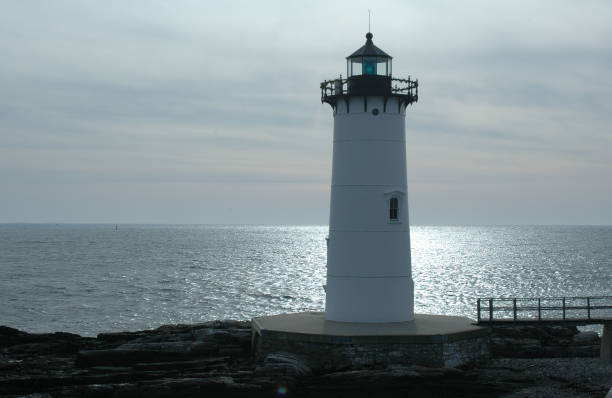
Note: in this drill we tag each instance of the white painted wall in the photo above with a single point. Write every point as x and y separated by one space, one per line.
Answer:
369 276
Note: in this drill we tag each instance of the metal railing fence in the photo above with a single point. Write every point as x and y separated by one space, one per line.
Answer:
544 308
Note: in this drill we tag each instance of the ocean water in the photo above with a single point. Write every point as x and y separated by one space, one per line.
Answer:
89 279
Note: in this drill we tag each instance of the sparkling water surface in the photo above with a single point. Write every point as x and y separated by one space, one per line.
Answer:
89 279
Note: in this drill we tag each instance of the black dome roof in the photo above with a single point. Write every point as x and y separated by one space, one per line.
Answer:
369 50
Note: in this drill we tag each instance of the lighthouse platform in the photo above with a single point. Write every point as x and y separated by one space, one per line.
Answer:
429 340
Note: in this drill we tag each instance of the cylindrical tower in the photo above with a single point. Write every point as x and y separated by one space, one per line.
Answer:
369 276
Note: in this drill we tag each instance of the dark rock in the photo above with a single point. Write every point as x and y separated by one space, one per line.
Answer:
437 372
586 338
6 331
237 338
117 357
394 374
59 344
181 387
17 342
507 375
559 342
543 333
283 363
241 335
9 364
521 332
543 342
120 336
515 348
110 369
201 363
213 359
213 335
177 328
233 350
164 337
561 331
227 324
586 351
169 346
204 348
405 381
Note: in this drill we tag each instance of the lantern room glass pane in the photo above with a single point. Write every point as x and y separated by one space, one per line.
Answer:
382 66
369 66
356 68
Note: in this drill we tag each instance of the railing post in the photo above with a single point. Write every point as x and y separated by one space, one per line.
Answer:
478 308
539 309
563 308
588 308
490 310
514 308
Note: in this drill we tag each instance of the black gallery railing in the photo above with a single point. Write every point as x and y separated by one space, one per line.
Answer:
402 87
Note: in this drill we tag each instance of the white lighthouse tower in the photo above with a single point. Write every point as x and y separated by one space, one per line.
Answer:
369 310
369 276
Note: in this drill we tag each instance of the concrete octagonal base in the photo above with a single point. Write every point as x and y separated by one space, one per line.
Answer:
429 340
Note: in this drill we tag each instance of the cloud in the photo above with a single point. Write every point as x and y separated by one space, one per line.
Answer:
186 104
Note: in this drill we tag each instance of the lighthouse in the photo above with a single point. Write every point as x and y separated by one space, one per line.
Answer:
369 277
369 308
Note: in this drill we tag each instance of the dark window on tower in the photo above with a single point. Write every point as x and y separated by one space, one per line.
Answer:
393 205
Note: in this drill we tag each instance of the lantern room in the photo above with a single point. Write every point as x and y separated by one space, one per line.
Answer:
368 60
369 74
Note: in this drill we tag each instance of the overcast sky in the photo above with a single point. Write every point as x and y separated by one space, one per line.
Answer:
210 112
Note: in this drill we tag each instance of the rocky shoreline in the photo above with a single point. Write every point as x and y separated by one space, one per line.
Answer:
215 358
